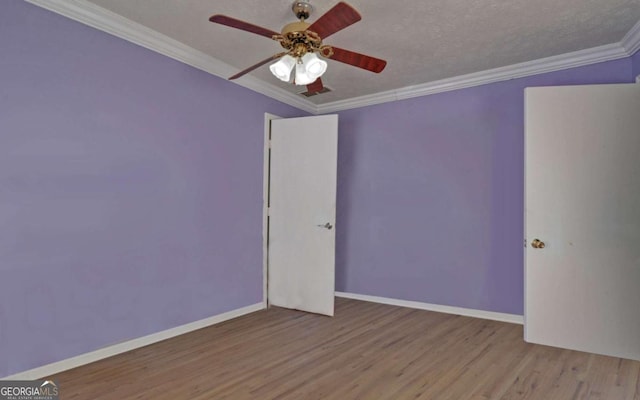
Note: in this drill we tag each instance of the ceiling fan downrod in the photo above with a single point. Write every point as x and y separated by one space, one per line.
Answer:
302 9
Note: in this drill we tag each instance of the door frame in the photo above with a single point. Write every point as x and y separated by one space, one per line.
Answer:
265 206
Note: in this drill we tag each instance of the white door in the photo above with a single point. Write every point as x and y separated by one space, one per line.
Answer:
582 149
302 211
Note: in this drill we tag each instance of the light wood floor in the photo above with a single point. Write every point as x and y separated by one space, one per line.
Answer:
368 351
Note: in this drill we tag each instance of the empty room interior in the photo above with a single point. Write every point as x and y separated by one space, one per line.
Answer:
320 199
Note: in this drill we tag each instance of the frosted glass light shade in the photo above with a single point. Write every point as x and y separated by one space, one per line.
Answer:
302 77
282 69
315 67
309 69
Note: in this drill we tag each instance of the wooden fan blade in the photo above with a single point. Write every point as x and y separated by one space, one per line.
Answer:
315 87
334 20
260 64
245 26
358 60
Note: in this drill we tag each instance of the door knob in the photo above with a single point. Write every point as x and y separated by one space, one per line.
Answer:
537 244
327 225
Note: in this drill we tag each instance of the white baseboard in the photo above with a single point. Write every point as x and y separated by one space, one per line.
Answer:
83 359
467 312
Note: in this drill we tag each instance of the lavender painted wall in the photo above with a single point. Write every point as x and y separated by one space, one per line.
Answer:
636 65
430 196
130 190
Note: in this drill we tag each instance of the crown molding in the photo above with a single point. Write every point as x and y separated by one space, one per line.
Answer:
102 19
117 25
631 41
535 67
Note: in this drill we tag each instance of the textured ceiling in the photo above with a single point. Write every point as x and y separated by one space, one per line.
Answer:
422 41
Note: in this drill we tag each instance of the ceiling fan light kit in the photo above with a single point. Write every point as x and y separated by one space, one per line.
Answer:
303 42
308 68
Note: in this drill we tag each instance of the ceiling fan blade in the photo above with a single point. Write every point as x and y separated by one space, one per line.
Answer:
358 60
334 20
245 26
315 87
260 64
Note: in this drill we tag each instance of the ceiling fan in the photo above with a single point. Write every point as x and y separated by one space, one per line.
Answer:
303 42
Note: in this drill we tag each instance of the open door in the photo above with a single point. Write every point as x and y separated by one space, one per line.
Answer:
582 278
301 213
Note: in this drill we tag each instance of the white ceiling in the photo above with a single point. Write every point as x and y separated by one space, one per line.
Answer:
423 41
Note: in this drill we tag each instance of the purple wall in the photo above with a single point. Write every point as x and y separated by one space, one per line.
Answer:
130 190
430 196
636 65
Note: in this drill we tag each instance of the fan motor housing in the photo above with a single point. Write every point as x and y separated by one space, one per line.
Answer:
299 26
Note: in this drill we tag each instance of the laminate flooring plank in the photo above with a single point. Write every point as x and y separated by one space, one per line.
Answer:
367 351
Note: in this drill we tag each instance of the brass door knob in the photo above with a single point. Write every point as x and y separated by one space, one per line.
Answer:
537 244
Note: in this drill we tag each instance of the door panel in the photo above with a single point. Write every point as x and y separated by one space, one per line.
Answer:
302 202
582 290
